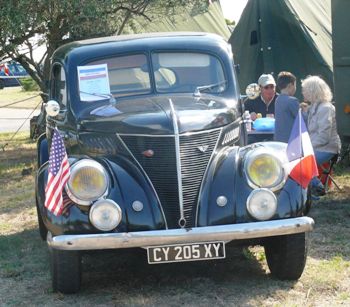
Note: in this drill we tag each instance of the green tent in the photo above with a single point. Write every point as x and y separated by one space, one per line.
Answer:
276 35
341 60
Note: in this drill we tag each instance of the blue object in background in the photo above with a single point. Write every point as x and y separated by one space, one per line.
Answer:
16 71
264 124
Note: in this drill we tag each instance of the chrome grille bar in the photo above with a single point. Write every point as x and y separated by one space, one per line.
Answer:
182 220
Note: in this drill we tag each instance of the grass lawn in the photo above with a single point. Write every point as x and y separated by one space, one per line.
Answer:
123 278
13 94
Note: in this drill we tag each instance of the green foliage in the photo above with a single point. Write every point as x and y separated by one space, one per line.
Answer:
29 85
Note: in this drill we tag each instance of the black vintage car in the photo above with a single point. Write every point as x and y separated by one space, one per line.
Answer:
153 128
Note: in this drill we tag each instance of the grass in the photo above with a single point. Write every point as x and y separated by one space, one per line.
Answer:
123 277
13 94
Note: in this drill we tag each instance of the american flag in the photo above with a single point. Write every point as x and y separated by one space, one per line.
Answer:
58 175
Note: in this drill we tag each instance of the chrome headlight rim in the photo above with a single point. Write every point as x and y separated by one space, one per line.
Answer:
259 191
256 153
76 166
101 202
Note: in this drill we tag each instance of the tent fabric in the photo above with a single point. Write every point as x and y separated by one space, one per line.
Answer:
211 21
284 35
341 64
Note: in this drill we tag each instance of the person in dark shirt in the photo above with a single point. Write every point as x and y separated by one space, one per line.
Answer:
265 103
286 106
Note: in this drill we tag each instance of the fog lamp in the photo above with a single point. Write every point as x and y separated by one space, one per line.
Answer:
262 204
105 214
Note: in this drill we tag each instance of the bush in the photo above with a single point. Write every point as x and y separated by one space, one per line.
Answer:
29 85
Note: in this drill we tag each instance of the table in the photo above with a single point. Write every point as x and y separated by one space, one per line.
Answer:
259 136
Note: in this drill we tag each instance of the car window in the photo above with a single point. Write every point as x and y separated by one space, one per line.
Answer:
58 84
16 69
186 72
128 75
20 69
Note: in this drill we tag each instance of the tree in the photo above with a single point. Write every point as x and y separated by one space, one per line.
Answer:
24 24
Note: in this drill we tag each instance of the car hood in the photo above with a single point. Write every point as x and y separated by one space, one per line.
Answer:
160 115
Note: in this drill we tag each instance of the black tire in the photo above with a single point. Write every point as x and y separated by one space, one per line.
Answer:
286 255
65 271
42 227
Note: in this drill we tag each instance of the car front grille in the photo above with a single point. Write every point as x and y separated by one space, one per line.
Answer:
195 152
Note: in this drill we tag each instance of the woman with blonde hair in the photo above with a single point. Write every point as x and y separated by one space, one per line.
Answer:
322 125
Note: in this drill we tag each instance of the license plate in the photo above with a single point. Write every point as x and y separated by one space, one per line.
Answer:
186 252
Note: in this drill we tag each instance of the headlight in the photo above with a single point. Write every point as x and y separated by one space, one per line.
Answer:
88 181
264 170
105 214
262 204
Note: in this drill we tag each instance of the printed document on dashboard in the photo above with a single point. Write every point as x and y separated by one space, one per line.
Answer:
94 82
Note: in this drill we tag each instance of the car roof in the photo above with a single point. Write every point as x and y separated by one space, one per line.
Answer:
79 50
143 36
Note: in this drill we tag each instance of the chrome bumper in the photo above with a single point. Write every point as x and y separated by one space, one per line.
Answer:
174 236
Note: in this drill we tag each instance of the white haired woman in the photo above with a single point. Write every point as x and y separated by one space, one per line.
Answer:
322 125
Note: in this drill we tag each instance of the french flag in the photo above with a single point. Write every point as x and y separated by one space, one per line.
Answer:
302 162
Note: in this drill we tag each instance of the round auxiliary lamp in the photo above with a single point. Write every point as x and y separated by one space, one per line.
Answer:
52 108
252 91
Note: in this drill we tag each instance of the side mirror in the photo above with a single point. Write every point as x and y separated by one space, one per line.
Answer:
52 108
252 91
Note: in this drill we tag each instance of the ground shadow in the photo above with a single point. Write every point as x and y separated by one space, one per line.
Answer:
205 282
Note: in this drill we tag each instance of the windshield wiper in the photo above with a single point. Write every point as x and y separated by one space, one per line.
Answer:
201 88
111 98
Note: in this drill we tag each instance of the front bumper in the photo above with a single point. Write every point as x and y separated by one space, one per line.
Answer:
175 236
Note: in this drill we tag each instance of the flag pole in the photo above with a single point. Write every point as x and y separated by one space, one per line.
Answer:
302 154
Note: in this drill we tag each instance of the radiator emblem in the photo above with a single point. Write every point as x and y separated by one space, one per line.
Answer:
148 153
203 148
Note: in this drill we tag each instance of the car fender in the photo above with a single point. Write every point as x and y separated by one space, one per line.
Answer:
225 180
42 150
127 184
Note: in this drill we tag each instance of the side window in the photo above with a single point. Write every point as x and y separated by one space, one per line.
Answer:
58 85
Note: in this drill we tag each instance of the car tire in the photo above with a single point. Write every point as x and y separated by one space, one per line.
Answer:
286 255
65 270
42 227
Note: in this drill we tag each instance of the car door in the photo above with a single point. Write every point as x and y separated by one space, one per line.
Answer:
64 121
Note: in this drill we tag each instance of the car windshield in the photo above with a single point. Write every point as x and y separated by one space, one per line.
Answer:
127 75
174 72
177 72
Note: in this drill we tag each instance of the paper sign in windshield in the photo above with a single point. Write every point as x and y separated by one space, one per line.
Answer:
94 82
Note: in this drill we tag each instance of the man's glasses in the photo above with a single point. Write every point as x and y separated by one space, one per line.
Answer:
271 86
